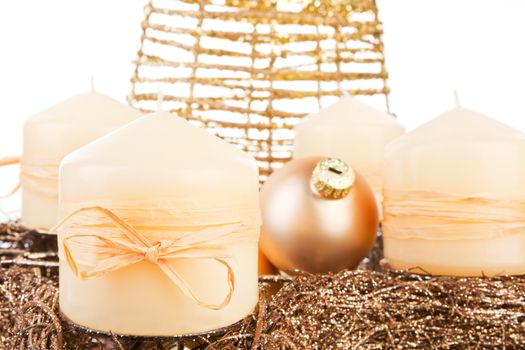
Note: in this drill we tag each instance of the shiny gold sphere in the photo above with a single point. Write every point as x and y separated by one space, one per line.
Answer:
265 266
317 226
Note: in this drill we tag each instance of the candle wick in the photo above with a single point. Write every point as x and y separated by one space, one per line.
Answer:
456 98
92 83
160 99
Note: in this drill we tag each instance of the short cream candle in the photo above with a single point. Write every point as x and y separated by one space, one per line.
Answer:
192 201
52 134
455 197
352 131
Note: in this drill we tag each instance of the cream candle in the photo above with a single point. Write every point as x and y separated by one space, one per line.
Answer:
52 134
352 131
454 197
169 246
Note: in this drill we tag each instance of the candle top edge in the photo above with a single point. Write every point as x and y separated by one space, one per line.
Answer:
349 109
85 108
160 136
459 124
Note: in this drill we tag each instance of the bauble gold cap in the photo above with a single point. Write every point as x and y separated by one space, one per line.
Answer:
332 178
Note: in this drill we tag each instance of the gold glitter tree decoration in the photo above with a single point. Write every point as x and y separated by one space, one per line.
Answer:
248 70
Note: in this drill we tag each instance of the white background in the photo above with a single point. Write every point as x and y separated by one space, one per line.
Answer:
49 49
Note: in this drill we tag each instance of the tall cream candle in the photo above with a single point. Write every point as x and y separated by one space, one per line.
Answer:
52 134
352 131
191 196
454 197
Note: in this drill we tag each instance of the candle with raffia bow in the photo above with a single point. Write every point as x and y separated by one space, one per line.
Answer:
159 230
454 197
52 134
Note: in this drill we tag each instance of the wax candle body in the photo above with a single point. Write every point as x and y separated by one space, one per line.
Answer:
352 131
52 134
164 177
454 196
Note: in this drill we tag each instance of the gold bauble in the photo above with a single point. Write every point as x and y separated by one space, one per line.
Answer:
319 215
265 266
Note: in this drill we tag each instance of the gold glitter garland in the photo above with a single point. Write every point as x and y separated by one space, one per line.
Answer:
351 310
248 70
360 309
395 310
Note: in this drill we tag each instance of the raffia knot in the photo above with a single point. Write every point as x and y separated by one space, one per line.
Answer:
152 254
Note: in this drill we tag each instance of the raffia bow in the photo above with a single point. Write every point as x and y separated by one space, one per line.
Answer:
93 254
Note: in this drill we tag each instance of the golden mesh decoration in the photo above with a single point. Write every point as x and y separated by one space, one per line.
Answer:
248 70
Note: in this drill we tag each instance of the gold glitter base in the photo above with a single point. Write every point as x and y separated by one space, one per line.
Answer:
352 309
365 309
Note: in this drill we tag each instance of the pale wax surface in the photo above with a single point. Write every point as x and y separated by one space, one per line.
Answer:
52 134
178 177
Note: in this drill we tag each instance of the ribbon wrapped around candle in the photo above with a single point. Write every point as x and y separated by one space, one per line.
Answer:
40 177
423 214
90 254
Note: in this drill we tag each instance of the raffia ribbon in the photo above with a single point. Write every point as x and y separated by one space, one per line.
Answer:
409 214
10 161
40 176
92 254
